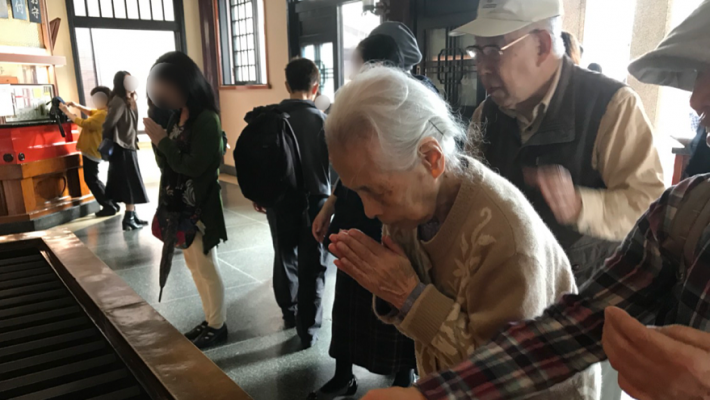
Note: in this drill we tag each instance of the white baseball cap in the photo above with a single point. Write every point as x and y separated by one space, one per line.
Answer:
500 17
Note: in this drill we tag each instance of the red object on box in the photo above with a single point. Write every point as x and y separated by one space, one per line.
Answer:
24 144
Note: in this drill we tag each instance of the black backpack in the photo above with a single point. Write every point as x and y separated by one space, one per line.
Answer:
267 157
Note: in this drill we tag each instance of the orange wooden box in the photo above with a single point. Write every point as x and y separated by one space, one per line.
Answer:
40 172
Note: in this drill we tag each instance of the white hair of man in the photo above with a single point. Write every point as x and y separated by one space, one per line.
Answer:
400 111
554 27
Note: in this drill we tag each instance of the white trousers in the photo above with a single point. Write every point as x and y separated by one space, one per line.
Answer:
610 382
205 273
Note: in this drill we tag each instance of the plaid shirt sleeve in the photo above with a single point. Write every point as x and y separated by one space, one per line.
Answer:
534 355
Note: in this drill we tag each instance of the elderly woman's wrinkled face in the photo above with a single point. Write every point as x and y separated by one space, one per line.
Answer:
404 199
700 100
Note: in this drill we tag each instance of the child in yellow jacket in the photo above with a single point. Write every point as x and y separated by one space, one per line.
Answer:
88 144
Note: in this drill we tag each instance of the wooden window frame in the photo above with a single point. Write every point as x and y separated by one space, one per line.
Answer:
177 26
218 51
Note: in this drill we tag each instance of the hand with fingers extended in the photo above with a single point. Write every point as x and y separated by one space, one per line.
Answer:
383 269
668 363
321 223
555 184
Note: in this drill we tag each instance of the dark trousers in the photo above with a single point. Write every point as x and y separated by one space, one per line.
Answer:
299 272
91 177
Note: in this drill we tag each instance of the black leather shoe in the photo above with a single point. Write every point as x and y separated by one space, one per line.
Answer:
196 331
129 222
289 321
307 343
348 390
106 212
211 337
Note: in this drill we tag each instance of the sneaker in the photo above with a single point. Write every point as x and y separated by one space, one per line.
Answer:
196 331
211 337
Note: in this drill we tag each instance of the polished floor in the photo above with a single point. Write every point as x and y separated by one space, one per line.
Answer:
260 355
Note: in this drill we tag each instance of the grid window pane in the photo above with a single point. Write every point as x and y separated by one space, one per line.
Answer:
110 47
79 8
168 10
157 10
119 8
86 59
106 8
94 10
132 7
145 9
238 20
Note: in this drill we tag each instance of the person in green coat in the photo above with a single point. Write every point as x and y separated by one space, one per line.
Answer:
189 153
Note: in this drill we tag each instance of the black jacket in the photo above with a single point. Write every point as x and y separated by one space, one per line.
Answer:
307 123
700 159
566 137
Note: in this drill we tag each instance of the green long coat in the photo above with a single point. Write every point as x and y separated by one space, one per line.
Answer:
201 164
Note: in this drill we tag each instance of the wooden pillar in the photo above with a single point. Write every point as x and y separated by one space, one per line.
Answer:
208 32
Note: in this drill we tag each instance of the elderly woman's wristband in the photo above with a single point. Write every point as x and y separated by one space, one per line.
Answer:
409 303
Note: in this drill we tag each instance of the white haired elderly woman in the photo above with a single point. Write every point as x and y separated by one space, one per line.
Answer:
463 253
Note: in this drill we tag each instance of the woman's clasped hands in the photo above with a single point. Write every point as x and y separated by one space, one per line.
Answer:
383 269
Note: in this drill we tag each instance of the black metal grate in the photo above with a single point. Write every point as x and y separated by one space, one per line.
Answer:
244 41
49 347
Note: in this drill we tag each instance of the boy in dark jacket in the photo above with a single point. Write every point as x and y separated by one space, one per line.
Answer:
299 272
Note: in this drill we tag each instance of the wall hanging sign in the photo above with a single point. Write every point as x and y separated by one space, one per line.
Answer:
35 11
19 9
3 9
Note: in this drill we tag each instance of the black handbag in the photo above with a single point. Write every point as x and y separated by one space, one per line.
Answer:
56 114
106 149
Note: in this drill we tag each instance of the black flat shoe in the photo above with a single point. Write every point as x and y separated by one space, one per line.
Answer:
196 331
211 337
307 343
106 212
348 390
289 321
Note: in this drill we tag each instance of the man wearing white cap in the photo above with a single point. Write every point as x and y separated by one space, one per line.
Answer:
660 276
577 143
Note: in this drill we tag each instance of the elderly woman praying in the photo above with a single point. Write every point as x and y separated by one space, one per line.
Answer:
463 253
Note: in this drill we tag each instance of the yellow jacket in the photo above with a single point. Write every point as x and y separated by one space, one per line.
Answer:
90 137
